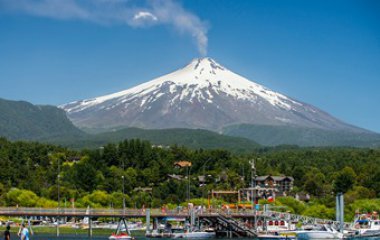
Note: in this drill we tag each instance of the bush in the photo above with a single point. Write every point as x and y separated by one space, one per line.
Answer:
319 211
46 203
293 204
21 197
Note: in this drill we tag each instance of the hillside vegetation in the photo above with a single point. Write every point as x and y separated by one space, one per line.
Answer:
23 120
94 177
191 138
278 135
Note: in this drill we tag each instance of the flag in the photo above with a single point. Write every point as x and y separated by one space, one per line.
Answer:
272 197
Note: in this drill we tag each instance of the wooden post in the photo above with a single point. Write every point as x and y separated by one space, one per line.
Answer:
341 215
90 227
337 208
57 226
155 223
148 220
192 219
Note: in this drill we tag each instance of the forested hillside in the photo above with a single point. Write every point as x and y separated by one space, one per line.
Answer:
23 120
191 138
29 175
20 120
293 135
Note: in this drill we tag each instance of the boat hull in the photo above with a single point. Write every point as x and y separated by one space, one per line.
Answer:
316 235
194 235
274 237
121 236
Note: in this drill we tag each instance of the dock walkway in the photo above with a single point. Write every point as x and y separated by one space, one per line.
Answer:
154 213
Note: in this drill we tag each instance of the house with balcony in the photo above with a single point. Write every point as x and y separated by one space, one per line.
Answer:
282 184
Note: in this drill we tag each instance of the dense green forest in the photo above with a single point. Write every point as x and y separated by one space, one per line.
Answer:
31 173
191 138
268 135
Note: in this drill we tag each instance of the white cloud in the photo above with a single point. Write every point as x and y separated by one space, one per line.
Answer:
144 15
132 13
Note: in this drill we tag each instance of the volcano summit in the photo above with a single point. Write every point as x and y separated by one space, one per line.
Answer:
203 94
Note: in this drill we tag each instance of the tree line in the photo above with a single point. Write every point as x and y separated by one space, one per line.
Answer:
31 173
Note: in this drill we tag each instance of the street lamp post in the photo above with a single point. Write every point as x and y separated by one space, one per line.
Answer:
58 180
188 183
123 195
253 187
123 166
58 193
253 181
204 175
59 198
187 164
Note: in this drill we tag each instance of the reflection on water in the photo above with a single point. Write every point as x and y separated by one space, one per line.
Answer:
85 237
77 237
65 236
81 237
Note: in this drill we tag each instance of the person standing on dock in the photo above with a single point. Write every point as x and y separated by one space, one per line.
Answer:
7 234
24 233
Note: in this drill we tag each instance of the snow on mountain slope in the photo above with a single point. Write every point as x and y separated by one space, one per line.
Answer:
203 94
198 75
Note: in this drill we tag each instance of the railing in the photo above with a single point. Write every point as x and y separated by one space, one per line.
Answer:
237 226
212 212
86 211
296 217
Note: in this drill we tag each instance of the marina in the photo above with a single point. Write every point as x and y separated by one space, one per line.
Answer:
195 223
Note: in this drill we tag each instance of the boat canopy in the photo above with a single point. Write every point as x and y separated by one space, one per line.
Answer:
177 219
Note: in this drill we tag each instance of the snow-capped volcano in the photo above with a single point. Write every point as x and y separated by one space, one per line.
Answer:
203 94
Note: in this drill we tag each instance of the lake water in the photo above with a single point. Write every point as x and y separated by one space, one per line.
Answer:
85 237
66 237
42 236
76 237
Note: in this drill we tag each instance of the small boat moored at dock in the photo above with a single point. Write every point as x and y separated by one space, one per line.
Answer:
195 234
281 236
120 234
124 236
180 233
364 227
315 234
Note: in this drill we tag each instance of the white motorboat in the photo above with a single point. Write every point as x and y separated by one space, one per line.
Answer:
195 234
275 229
325 232
179 228
272 236
364 227
181 233
316 234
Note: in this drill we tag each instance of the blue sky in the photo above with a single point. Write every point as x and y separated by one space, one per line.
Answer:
325 53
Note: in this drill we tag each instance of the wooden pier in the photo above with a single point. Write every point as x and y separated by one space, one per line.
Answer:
232 222
154 213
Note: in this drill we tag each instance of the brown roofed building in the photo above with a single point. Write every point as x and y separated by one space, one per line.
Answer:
281 183
182 164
